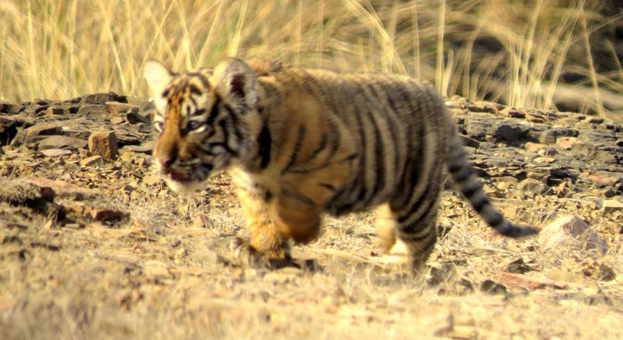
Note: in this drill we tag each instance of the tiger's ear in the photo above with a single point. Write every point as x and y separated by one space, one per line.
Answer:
157 76
236 80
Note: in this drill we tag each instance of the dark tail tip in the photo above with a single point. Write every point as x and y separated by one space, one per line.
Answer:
518 232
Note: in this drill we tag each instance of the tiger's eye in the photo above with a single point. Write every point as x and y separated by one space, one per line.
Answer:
194 124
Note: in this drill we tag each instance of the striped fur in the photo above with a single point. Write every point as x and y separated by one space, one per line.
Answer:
301 143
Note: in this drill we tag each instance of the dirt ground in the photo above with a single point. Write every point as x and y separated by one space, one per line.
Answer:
101 249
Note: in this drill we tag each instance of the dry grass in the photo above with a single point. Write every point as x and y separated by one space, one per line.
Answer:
61 49
165 273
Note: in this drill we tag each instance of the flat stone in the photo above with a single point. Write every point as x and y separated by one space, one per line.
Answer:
62 142
61 188
483 106
571 231
93 213
91 161
534 147
531 188
612 205
11 108
104 144
469 142
512 112
56 152
143 148
602 179
117 108
535 118
134 118
107 215
55 110
35 133
92 110
99 98
117 120
509 132
584 149
521 281
551 136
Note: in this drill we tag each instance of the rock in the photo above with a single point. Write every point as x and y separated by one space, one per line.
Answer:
584 149
512 112
35 133
93 110
518 266
55 110
550 136
10 108
469 142
566 142
509 132
562 173
535 118
91 161
482 106
521 281
611 206
104 144
117 108
571 231
23 193
605 157
56 152
477 128
531 188
493 288
99 98
107 215
117 120
135 118
534 147
10 127
143 148
93 213
602 179
62 142
156 269
61 188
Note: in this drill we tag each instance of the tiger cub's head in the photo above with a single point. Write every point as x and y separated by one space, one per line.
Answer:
206 120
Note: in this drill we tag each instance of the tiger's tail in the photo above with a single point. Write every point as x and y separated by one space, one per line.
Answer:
471 187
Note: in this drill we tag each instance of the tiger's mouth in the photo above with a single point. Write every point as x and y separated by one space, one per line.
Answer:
197 173
183 183
179 176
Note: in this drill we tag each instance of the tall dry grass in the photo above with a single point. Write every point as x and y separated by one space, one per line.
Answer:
64 48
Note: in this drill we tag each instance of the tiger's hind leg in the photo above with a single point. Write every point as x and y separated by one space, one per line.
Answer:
411 223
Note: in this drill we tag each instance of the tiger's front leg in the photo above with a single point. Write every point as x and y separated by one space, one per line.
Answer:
267 245
272 219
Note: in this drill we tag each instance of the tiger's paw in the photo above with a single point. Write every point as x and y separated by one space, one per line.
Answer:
271 259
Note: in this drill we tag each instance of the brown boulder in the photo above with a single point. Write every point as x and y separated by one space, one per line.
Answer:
104 144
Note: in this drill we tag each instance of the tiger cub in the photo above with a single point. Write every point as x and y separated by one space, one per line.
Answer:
300 143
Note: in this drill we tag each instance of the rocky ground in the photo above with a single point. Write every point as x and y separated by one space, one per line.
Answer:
93 246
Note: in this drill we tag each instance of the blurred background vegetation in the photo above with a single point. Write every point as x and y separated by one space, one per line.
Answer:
547 54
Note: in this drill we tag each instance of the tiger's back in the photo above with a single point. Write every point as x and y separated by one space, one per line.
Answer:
302 143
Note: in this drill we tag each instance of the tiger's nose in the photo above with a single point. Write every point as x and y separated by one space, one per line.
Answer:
168 161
